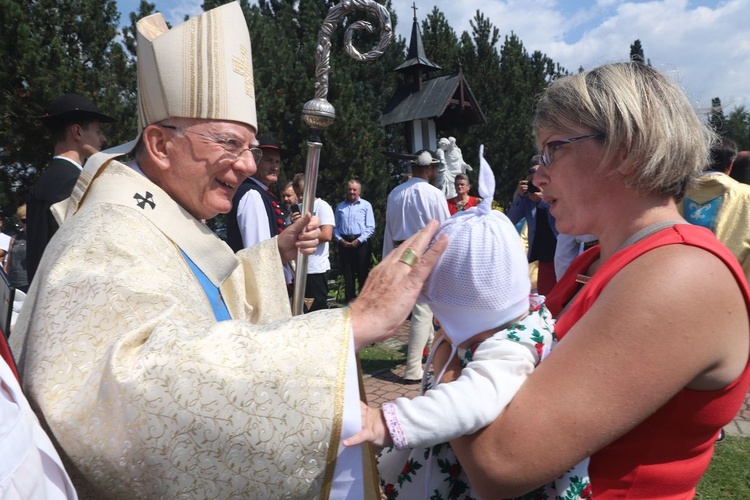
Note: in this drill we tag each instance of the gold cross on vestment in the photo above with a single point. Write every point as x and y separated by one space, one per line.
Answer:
241 66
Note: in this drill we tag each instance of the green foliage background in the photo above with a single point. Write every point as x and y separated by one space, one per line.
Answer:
51 47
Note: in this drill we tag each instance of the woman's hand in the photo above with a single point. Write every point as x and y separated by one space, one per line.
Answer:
392 288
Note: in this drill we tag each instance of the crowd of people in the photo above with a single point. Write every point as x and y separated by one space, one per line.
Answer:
151 359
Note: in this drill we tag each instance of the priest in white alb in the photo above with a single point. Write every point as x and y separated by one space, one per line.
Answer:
166 366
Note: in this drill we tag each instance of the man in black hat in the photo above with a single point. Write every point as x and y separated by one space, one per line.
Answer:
75 124
256 212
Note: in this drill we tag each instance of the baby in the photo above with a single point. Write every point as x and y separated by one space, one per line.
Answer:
479 292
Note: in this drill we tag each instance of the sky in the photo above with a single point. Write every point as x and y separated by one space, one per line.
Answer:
704 45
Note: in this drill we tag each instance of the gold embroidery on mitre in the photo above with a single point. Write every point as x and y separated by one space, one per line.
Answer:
199 70
243 67
190 68
216 80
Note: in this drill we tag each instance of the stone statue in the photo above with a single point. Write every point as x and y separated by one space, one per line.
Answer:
449 154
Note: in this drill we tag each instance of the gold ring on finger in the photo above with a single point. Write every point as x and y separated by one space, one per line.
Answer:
409 257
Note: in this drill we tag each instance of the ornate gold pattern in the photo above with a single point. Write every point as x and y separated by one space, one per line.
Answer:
242 66
216 80
190 72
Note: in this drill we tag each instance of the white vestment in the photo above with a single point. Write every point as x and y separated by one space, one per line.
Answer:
145 393
30 467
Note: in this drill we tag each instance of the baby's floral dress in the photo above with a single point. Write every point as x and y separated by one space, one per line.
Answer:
434 473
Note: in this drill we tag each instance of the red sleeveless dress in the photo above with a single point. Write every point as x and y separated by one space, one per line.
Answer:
665 456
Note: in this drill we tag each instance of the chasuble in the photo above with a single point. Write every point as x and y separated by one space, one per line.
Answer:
145 394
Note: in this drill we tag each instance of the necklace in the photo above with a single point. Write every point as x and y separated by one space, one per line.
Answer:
646 231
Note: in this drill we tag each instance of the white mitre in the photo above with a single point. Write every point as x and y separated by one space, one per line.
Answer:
200 69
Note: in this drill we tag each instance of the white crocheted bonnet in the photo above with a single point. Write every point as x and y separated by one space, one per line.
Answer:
482 279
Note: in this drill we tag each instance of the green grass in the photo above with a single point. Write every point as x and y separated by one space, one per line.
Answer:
728 476
377 357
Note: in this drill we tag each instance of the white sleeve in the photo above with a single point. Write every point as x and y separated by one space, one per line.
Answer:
325 213
252 219
567 249
441 211
472 401
31 467
369 224
4 242
387 236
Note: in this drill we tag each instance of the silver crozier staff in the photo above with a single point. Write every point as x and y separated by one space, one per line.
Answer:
318 113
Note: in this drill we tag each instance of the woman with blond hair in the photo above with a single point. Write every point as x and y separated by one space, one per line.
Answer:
647 371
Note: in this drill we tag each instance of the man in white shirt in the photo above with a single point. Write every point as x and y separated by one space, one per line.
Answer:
4 243
318 264
410 206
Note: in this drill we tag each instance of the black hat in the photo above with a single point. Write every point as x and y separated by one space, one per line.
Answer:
70 107
268 142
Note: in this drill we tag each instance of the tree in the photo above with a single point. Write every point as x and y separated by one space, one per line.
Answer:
47 34
284 36
129 32
505 84
636 53
52 47
716 118
738 128
440 42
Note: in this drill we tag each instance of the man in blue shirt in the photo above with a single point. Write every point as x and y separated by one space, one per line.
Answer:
355 224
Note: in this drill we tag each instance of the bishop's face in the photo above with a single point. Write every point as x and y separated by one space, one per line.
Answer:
203 175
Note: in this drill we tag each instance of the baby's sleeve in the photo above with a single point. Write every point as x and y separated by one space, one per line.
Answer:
472 401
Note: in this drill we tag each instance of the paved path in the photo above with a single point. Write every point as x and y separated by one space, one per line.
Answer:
386 385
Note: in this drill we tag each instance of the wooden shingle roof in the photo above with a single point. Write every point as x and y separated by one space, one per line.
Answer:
444 99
